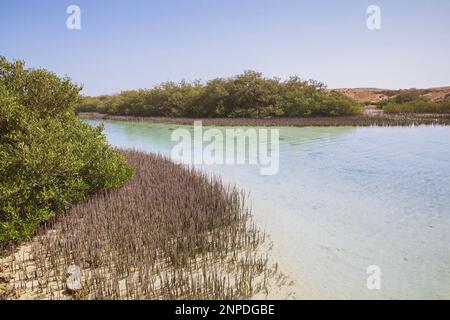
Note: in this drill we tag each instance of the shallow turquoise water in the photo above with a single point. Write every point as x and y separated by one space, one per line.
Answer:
345 198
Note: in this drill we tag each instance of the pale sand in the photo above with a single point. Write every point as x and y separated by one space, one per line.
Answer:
25 284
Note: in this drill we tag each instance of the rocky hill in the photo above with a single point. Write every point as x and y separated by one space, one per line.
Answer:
375 95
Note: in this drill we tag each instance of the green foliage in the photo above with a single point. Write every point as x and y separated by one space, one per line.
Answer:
91 104
49 158
411 101
245 95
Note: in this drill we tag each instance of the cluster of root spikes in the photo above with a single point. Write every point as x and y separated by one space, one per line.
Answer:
171 232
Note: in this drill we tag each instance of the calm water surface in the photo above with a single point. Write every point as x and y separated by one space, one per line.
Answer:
345 198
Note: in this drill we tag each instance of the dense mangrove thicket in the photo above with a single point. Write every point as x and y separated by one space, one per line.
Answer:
246 95
49 158
414 101
169 233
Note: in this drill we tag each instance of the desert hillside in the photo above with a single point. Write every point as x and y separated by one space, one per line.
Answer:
375 95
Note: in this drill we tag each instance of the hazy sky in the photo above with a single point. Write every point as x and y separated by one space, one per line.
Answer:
133 44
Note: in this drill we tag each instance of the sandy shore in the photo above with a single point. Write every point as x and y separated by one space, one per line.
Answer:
151 239
20 281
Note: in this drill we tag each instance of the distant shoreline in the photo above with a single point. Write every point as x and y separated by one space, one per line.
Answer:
357 120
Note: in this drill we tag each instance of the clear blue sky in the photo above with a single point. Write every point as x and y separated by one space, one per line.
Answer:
139 43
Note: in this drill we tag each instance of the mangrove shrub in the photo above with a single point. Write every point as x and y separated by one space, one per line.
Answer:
412 101
246 95
49 158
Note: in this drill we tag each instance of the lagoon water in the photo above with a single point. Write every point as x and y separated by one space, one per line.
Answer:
344 199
